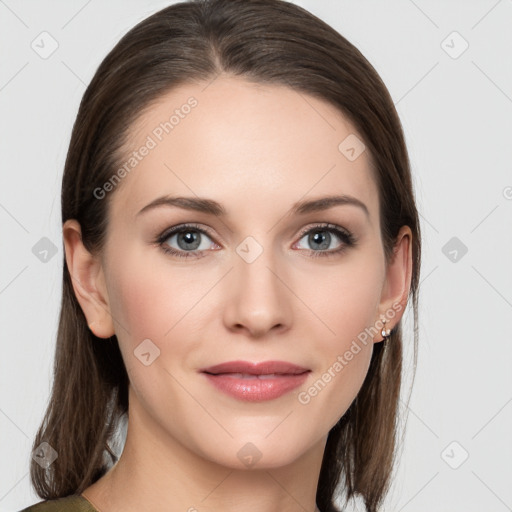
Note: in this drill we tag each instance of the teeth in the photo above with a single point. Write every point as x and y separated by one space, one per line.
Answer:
250 376
242 376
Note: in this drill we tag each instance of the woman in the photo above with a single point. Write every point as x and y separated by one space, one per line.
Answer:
241 242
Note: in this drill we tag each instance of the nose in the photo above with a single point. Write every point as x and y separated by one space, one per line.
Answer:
258 301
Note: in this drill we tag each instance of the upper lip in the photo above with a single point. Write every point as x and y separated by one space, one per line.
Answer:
263 368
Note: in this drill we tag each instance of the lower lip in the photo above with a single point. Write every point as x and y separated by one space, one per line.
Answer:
255 389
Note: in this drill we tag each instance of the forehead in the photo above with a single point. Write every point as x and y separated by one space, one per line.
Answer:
245 144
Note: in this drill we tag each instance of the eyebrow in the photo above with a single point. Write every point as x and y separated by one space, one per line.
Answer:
212 207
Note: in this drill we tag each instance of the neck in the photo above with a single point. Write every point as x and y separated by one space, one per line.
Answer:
156 472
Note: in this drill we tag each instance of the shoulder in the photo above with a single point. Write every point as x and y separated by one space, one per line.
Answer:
72 503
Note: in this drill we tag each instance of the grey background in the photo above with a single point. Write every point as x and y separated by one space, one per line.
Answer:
456 111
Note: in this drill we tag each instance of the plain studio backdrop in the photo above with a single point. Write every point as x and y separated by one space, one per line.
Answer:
448 68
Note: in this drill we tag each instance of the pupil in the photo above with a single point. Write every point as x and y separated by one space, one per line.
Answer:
318 238
188 238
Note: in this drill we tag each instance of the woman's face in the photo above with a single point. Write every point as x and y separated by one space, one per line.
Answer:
260 282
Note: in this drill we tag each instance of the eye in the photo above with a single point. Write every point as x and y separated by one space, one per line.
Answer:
189 239
321 238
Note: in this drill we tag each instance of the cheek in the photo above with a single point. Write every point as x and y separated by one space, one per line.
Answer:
348 304
149 299
346 298
151 303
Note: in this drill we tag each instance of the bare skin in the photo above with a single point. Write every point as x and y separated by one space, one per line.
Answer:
255 149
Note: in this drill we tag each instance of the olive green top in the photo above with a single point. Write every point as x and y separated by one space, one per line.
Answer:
72 503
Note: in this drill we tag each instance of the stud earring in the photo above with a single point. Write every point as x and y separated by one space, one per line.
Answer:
385 332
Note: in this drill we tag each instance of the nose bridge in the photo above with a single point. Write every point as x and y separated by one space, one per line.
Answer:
258 299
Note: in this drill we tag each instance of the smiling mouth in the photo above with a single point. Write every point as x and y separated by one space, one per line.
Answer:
256 382
248 368
252 376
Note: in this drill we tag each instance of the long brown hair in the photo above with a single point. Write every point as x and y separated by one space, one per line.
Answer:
265 41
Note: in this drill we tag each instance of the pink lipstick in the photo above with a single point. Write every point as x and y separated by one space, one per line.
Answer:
256 382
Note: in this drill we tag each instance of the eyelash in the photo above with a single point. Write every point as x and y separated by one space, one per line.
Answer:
347 238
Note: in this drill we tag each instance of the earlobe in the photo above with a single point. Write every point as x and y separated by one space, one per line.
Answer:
87 279
398 279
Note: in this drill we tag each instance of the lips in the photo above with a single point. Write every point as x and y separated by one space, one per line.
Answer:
255 382
249 369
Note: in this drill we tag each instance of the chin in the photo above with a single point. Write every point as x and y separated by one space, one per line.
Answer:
254 453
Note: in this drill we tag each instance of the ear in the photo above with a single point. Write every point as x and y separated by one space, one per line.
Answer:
88 281
397 284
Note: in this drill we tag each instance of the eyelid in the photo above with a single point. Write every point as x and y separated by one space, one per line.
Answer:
324 225
182 227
